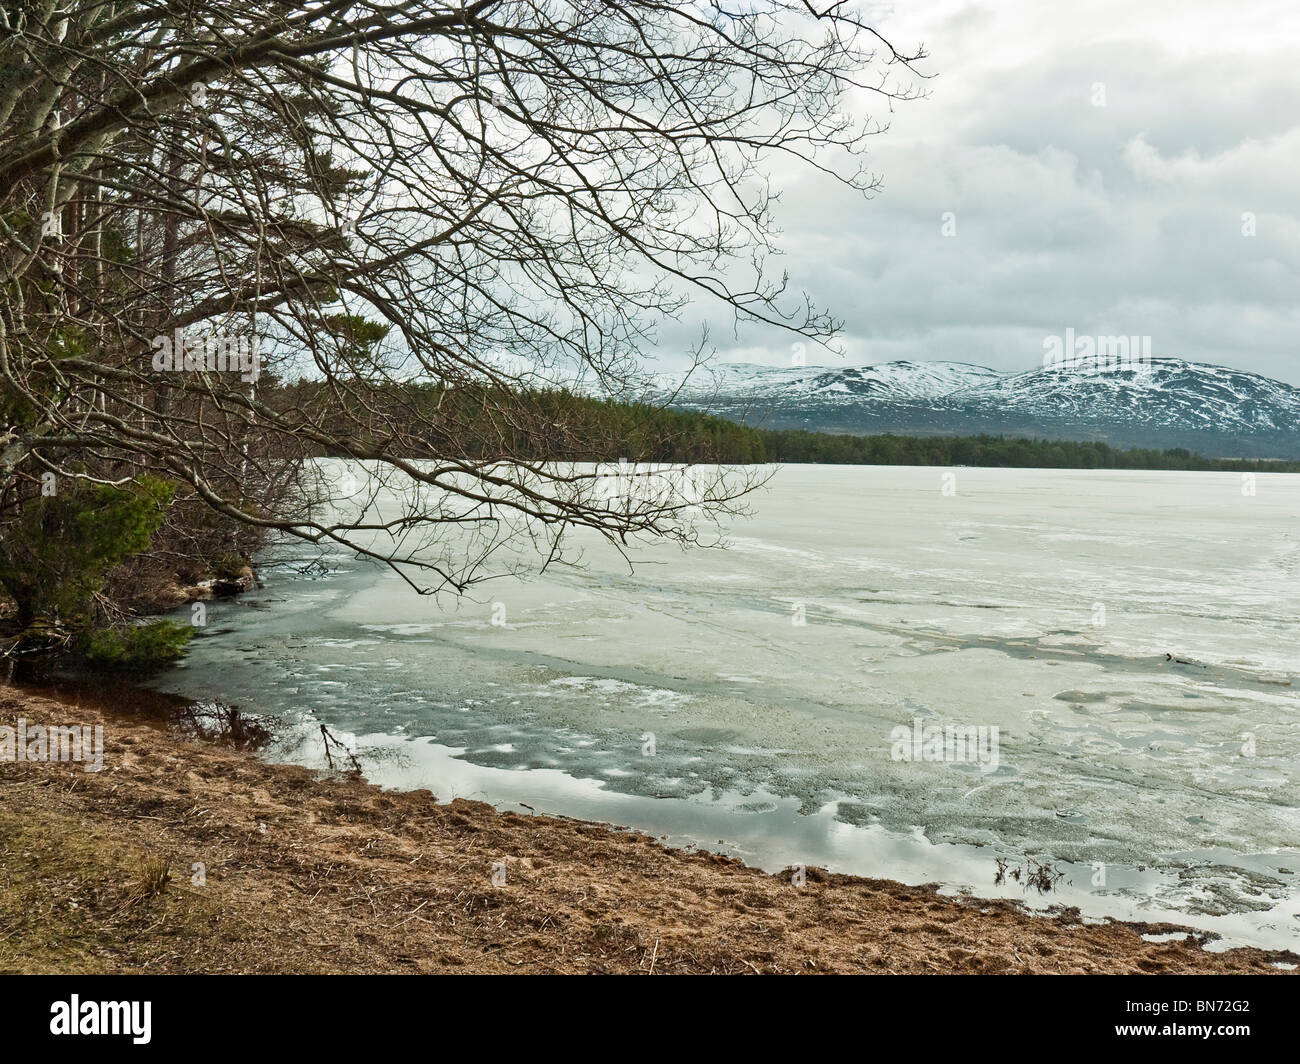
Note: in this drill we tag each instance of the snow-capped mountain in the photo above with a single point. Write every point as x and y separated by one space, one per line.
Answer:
1165 402
886 380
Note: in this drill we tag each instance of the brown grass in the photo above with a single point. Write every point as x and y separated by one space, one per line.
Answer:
183 856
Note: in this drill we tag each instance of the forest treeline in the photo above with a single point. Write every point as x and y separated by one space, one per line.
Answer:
1000 451
489 423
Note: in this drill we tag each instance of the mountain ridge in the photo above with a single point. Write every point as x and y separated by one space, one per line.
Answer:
1160 402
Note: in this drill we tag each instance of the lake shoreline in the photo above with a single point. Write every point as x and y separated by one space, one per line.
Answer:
187 856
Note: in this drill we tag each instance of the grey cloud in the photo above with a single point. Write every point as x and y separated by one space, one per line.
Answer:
1125 218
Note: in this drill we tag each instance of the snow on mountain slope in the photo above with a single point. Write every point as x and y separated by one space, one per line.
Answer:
886 380
1168 391
1165 402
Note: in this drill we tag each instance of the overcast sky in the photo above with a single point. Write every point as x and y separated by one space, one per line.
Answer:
1124 218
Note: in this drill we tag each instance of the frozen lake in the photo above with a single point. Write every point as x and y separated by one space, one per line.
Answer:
1132 636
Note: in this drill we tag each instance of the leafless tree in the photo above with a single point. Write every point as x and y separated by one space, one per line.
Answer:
491 196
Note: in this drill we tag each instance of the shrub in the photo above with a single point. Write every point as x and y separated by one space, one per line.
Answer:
57 555
139 649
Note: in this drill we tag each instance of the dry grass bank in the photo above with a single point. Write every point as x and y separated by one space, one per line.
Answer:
307 875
